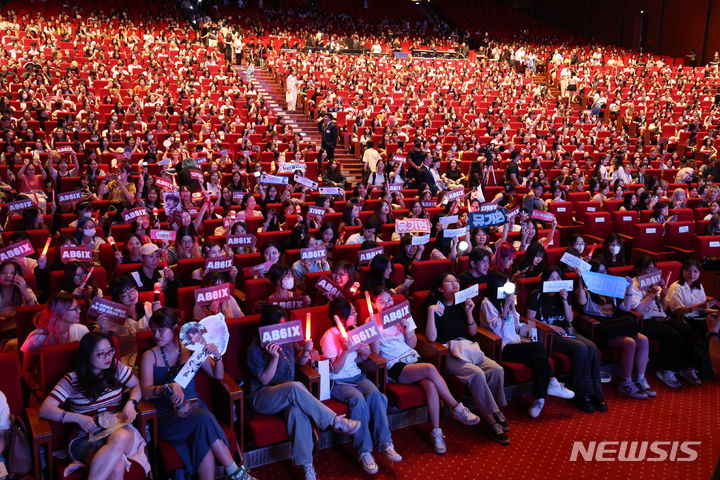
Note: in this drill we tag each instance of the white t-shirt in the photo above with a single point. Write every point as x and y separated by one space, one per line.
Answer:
393 346
332 346
683 296
37 338
4 413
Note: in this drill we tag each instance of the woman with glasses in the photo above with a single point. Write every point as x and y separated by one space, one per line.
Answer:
124 291
96 384
77 283
58 323
188 426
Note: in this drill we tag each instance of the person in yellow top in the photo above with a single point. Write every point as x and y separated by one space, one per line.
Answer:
119 189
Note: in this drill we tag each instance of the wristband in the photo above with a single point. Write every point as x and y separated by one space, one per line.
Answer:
134 402
62 417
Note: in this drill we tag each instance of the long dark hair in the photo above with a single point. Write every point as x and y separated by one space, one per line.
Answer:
90 384
376 275
495 281
685 266
526 261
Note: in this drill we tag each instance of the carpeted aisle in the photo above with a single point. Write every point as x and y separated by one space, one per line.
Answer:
541 447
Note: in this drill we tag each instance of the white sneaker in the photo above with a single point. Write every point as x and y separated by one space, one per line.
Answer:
390 453
668 378
309 472
690 376
645 387
631 389
557 389
537 407
368 463
605 376
463 415
438 441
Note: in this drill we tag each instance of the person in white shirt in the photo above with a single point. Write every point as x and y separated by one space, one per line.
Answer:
291 90
368 232
500 316
404 366
676 337
349 385
371 157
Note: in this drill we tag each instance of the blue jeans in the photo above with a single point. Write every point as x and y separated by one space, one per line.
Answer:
367 405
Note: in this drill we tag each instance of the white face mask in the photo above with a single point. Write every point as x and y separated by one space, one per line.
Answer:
614 249
288 283
580 249
90 232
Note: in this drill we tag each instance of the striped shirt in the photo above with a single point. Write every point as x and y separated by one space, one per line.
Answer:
68 390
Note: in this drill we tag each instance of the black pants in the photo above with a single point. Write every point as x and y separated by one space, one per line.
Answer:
534 356
330 149
677 342
585 364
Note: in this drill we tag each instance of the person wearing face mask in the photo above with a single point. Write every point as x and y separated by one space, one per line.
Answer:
84 210
284 284
349 385
611 253
86 235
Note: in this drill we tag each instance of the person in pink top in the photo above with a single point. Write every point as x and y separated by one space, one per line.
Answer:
30 180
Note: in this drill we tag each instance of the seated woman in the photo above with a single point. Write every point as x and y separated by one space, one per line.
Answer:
212 249
532 263
554 309
380 274
366 403
686 298
76 283
229 307
183 418
123 290
675 336
237 228
58 323
408 253
285 294
97 383
86 235
618 331
14 293
186 246
131 251
612 252
302 267
453 325
274 391
500 316
404 366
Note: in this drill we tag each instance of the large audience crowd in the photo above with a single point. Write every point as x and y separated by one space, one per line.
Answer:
140 163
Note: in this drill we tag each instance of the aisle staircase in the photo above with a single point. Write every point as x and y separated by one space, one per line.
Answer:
301 122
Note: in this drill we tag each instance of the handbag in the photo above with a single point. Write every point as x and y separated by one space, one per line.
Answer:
19 454
466 350
623 326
